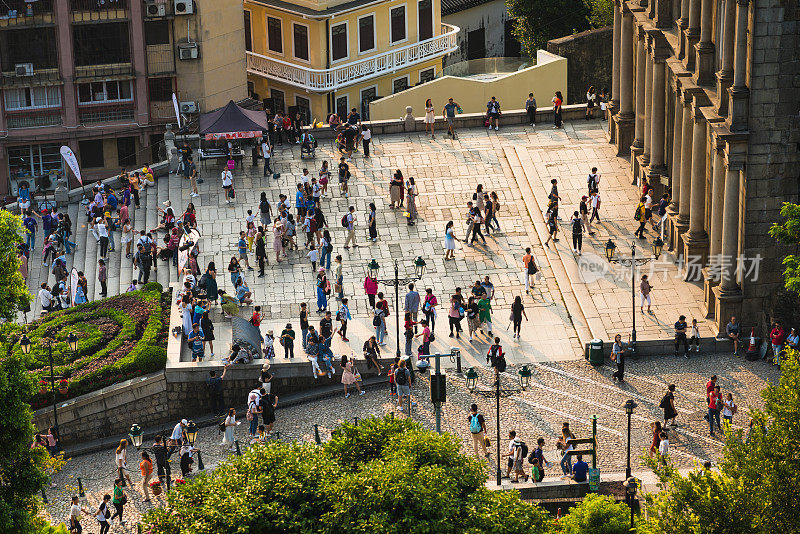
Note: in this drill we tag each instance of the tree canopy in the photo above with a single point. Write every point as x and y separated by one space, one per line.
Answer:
538 21
788 233
15 295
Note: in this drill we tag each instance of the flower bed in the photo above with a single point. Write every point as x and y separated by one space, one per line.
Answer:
119 338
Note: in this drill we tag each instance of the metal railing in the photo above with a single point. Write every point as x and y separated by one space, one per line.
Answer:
97 10
162 111
40 77
103 71
21 13
105 113
356 71
160 59
33 118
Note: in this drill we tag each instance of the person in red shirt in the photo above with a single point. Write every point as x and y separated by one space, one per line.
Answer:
777 336
710 385
714 407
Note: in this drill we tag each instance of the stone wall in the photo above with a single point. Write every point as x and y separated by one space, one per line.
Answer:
588 56
773 161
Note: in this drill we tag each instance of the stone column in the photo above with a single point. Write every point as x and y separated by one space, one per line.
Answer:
730 230
624 120
686 159
658 119
139 64
704 50
648 103
641 69
683 23
739 94
677 149
725 74
692 33
663 14
616 59
696 240
715 230
66 63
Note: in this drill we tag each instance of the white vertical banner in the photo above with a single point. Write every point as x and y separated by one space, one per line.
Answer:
73 286
72 161
177 109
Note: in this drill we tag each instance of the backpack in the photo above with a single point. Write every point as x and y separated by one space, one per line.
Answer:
637 216
576 226
475 425
524 447
344 221
400 377
222 425
431 337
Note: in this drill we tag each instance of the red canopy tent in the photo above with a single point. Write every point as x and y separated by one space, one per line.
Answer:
233 122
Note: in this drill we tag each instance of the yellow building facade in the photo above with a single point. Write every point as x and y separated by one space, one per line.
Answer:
325 57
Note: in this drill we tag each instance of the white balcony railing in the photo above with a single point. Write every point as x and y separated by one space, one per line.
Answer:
358 71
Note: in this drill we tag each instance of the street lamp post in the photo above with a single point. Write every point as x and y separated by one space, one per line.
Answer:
629 406
633 262
419 271
631 485
191 436
471 378
137 434
72 343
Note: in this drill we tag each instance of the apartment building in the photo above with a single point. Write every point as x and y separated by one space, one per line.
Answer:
98 75
706 104
318 57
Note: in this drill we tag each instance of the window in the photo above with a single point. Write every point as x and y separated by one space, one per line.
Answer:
251 90
156 32
101 44
34 160
112 91
33 97
425 19
159 89
300 33
341 106
91 153
274 35
398 23
427 75
126 151
248 32
303 107
338 42
400 84
366 33
30 45
278 100
367 95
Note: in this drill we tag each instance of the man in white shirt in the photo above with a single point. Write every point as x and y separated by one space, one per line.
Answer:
227 184
177 434
595 202
75 512
266 153
306 178
350 218
45 297
366 137
593 180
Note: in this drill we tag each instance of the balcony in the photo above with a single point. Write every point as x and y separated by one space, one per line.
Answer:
33 118
90 73
40 77
322 80
160 59
98 10
100 113
18 13
162 112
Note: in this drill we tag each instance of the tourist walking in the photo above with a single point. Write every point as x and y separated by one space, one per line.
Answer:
323 290
644 291
146 468
449 112
714 408
477 427
529 270
729 409
338 278
591 98
349 222
343 315
577 233
227 185
530 109
565 445
402 378
103 513
594 201
655 430
618 356
121 460
429 117
229 424
668 405
639 216
411 304
454 316
118 500
552 224
557 102
592 181
517 313
396 190
411 201
350 376
485 314
429 305
473 316
450 241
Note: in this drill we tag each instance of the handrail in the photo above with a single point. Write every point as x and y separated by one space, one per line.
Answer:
356 71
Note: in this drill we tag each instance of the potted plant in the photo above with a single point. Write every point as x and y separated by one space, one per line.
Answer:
43 387
155 486
63 386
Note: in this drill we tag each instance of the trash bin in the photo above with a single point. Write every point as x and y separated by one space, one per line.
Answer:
596 356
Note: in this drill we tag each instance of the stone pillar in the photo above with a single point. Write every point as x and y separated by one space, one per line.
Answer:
675 171
66 63
715 234
616 59
725 74
728 294
657 120
663 14
683 23
692 33
139 63
624 120
648 104
696 240
686 159
739 94
641 70
704 50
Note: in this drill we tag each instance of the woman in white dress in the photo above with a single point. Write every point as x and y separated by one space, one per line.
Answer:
230 428
121 460
411 201
429 117
450 241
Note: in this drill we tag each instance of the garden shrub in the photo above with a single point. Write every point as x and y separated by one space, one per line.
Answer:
119 338
597 514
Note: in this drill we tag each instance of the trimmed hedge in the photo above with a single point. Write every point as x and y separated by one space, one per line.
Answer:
118 338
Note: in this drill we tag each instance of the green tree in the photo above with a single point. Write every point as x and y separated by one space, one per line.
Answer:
788 233
23 470
757 487
601 13
15 294
538 21
597 514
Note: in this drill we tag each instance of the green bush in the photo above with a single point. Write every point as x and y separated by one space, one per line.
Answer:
119 338
597 514
384 475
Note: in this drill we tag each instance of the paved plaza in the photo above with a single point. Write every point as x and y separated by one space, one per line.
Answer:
569 306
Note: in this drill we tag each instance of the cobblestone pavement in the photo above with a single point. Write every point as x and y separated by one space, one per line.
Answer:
570 391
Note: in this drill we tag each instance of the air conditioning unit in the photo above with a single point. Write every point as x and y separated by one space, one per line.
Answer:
188 107
188 51
23 69
184 7
155 9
